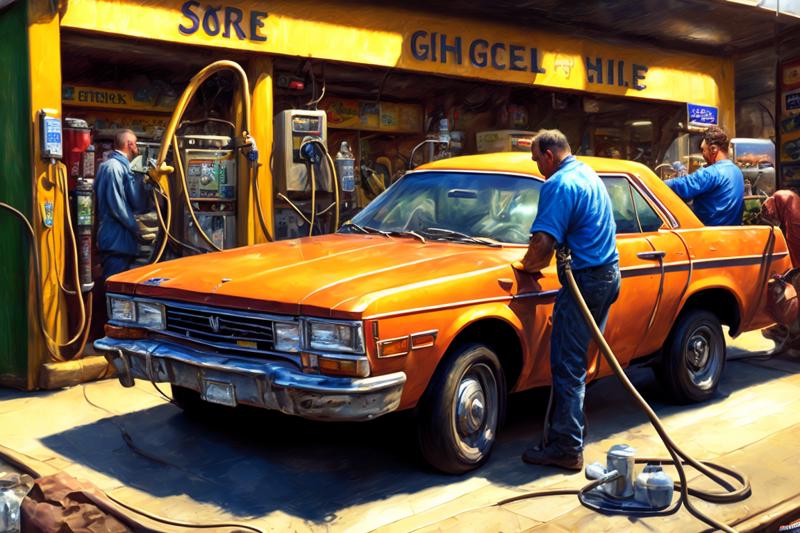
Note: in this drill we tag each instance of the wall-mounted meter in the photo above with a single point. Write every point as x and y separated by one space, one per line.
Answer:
291 127
52 141
211 179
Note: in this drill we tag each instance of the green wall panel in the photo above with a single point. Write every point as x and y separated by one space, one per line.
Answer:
15 189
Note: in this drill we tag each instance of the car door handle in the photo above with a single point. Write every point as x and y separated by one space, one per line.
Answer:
658 254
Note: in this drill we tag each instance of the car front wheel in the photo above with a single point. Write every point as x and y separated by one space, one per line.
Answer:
462 409
694 357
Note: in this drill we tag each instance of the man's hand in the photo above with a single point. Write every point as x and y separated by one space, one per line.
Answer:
539 254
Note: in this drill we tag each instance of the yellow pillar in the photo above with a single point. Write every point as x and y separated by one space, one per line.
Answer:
44 41
259 72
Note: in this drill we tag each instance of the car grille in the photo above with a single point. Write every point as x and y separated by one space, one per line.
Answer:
220 328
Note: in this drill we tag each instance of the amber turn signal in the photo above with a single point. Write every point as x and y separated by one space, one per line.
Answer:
393 347
118 332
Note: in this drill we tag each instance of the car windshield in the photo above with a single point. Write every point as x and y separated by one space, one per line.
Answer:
458 206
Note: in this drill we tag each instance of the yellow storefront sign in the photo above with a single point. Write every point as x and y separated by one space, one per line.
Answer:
85 96
410 40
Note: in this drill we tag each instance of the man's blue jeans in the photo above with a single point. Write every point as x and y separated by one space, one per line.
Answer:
568 346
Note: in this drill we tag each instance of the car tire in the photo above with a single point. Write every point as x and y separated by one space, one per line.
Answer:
461 410
187 399
693 358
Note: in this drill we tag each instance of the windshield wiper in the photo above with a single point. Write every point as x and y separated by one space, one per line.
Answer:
463 237
403 233
365 229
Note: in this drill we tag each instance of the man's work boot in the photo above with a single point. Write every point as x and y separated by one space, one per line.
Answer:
549 456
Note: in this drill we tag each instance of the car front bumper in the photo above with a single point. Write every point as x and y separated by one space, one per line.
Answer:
273 385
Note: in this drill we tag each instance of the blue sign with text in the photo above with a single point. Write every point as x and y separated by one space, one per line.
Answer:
702 115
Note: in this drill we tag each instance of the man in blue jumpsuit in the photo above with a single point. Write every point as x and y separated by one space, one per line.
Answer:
574 212
119 197
717 191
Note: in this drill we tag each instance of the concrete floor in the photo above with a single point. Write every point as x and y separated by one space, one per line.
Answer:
283 474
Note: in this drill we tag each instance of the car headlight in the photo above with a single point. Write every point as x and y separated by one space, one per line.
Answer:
329 336
150 315
122 309
287 336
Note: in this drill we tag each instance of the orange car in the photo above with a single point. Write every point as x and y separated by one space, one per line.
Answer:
414 304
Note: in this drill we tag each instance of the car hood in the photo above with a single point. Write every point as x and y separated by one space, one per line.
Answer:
339 275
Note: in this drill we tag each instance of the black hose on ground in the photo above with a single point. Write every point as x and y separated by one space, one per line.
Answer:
679 458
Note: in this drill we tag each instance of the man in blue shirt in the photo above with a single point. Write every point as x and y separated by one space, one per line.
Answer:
717 191
119 197
575 213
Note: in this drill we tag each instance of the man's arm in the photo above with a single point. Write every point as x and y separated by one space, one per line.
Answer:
540 252
692 185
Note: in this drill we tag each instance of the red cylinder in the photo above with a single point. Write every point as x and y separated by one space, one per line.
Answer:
77 138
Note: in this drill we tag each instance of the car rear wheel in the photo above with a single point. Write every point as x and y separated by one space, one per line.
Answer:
693 357
461 410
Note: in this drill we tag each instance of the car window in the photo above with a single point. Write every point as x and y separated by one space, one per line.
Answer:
648 218
498 206
622 204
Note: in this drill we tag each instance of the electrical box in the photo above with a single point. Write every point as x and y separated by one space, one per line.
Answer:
211 181
52 139
504 141
291 171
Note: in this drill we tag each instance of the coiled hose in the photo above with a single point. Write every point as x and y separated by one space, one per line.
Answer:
678 457
53 345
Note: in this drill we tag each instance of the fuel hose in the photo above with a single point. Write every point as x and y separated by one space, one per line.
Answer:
678 458
81 334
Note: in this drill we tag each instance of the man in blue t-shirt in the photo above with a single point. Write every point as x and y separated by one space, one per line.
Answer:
716 191
574 213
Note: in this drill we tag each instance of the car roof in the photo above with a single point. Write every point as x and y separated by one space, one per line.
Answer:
521 163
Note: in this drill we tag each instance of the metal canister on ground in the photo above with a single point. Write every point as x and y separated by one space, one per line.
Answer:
621 457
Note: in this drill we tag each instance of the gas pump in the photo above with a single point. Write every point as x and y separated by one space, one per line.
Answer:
303 171
80 166
210 198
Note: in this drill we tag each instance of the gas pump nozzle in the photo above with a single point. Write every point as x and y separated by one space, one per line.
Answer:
155 174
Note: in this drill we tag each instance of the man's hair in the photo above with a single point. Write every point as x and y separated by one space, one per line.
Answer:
551 140
716 136
121 139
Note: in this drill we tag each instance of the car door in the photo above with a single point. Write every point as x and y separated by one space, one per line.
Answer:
670 255
631 315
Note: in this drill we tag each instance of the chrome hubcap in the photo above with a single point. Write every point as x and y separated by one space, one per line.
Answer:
698 346
470 408
475 412
703 357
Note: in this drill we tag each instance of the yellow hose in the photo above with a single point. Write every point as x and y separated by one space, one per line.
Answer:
54 346
182 175
162 170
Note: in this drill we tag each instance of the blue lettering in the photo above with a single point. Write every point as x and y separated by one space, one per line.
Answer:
211 19
478 58
455 48
495 61
638 75
596 68
419 51
515 58
535 62
256 22
610 70
186 10
433 46
621 73
233 16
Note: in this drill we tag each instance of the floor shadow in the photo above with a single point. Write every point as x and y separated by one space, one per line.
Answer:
251 462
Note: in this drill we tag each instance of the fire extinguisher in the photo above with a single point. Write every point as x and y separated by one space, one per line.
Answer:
84 200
